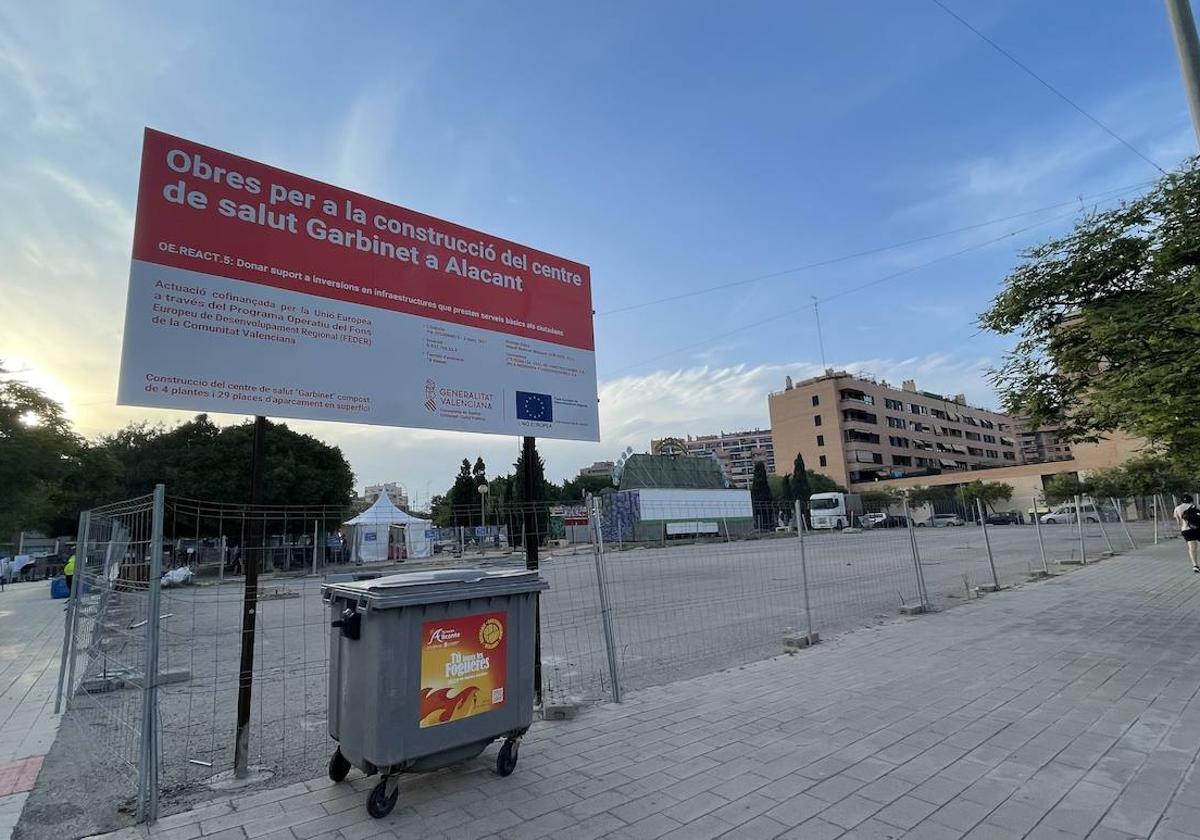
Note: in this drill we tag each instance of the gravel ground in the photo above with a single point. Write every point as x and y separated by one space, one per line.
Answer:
677 611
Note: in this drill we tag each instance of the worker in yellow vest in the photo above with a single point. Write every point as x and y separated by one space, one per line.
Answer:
69 571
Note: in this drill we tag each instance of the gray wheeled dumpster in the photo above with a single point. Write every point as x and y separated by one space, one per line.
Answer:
426 669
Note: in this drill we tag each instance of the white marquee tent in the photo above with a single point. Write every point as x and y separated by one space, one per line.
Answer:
375 526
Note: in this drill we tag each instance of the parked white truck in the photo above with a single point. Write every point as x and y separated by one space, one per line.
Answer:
834 510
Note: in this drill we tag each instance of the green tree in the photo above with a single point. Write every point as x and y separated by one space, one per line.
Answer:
988 492
1063 487
760 497
576 488
37 450
880 500
543 494
463 498
1108 321
1148 475
920 495
801 482
821 483
200 460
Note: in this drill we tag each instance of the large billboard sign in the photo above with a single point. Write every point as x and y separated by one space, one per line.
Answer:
257 291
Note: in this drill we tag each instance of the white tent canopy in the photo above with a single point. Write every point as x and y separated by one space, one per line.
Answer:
373 529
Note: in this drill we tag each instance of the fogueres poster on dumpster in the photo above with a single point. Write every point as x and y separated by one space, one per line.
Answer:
464 662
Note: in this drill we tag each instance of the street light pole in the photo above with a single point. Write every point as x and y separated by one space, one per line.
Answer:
483 493
1183 28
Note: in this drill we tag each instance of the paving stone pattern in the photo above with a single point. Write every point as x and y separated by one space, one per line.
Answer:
1064 710
29 657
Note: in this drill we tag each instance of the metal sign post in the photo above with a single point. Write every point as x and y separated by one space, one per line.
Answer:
529 482
241 745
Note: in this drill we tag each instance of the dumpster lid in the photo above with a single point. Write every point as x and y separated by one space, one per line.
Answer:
435 585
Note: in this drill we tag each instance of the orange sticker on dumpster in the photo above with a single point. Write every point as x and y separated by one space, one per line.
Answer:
464 663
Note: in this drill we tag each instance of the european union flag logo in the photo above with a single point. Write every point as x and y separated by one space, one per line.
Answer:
539 407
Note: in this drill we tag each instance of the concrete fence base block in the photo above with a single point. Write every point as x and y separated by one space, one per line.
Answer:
1039 575
174 675
989 587
1072 562
558 710
799 641
912 609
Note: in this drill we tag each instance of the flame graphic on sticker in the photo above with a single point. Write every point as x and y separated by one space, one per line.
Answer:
440 702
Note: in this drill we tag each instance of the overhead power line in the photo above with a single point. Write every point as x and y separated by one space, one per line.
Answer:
823 263
1044 83
839 294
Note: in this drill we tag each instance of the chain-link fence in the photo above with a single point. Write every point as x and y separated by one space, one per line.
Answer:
646 588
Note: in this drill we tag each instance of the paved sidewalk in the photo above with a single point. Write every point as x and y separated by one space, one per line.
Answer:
1068 709
29 656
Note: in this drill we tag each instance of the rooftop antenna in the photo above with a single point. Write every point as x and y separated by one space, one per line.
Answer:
820 339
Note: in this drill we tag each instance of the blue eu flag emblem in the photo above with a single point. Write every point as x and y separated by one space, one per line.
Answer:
531 406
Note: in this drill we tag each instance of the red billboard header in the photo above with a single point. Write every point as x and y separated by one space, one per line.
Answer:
205 210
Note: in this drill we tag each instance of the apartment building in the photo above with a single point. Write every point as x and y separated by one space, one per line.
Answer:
737 452
1040 446
393 490
855 429
598 469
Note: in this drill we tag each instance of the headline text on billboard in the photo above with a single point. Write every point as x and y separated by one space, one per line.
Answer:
257 291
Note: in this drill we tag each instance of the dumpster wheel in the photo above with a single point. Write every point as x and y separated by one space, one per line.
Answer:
506 761
379 804
338 766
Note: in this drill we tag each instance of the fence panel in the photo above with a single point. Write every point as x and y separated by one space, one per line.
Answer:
696 587
104 677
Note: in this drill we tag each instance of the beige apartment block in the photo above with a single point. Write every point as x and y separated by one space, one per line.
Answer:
738 452
858 430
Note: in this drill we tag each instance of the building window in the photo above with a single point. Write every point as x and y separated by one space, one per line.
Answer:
816 399
855 436
857 396
898 442
1009 456
896 422
992 453
971 450
853 415
823 461
901 460
817 420
989 438
876 457
820 440
972 435
938 413
893 405
918 409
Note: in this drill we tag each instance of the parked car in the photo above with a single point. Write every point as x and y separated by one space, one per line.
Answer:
872 520
1004 517
895 522
1065 515
943 520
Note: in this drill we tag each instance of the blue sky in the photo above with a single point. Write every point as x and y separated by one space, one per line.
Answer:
670 146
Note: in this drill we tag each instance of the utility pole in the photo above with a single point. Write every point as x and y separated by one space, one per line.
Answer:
1183 27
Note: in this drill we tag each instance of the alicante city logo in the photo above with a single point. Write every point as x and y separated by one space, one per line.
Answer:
491 632
430 395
